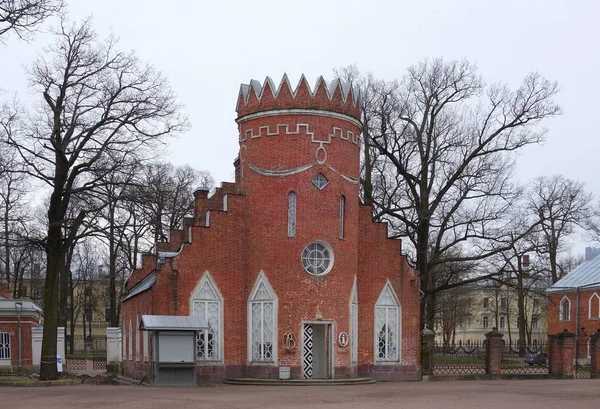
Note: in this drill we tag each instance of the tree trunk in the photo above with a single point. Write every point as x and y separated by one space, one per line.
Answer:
48 369
521 307
112 264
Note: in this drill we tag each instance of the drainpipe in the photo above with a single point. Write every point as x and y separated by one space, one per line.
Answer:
576 331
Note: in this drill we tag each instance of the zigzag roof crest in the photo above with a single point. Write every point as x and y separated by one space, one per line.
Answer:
259 90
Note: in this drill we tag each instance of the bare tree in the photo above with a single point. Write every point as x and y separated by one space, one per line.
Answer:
165 194
442 176
13 189
25 16
561 205
99 107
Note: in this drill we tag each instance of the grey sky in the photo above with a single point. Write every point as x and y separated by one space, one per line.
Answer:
207 49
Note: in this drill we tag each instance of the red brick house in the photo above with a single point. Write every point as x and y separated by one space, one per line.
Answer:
285 264
574 303
16 314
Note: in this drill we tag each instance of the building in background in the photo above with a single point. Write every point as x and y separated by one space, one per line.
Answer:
465 315
574 302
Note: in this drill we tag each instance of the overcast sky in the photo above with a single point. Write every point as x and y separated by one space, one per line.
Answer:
207 48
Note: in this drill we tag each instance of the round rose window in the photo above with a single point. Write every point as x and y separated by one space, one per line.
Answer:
317 258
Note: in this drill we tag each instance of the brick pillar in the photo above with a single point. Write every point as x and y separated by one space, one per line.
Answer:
493 352
595 353
427 345
561 354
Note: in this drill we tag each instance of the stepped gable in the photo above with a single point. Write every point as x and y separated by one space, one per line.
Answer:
338 96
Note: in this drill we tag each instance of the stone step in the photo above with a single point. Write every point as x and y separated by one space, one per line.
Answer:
300 382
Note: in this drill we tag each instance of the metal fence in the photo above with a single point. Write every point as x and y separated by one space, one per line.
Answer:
86 344
461 359
582 368
528 359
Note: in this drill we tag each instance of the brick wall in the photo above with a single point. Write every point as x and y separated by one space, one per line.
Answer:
10 325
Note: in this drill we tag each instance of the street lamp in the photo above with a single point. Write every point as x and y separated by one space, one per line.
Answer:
19 307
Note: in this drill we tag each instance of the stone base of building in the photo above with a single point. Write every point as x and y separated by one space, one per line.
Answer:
137 370
207 374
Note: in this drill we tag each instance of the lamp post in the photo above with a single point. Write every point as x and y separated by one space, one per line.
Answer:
19 307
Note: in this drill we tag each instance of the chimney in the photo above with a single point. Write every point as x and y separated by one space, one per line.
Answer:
591 253
4 289
525 260
200 202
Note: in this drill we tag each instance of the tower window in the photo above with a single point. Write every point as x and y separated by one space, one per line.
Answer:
317 258
320 181
342 215
292 214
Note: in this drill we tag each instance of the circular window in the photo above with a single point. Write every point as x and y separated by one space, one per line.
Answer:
317 258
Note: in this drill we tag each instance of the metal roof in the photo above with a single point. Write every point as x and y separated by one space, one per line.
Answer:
587 274
146 283
172 323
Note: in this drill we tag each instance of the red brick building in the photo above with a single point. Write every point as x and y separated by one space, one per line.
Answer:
574 304
16 314
285 264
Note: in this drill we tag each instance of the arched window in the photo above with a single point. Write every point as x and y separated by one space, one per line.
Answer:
565 309
342 215
387 326
292 214
4 345
594 306
207 303
262 318
354 324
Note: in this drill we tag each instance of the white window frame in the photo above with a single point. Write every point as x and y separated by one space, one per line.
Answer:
354 325
262 279
130 339
207 280
535 321
485 321
5 340
389 309
137 340
596 297
502 322
292 213
308 262
124 345
561 312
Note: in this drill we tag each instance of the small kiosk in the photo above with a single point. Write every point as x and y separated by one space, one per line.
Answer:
173 347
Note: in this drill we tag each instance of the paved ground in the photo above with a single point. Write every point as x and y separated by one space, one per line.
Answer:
545 394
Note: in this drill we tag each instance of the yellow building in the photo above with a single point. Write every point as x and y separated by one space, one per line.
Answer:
466 314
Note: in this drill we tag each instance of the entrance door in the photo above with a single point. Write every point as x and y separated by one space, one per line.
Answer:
316 356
